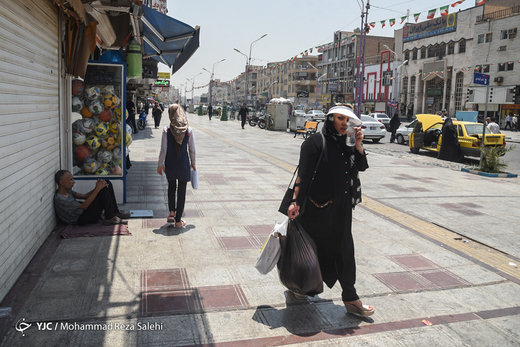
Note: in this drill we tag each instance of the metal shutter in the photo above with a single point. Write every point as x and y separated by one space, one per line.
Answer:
29 130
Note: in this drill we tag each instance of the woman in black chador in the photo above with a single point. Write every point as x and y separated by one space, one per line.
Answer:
450 147
336 189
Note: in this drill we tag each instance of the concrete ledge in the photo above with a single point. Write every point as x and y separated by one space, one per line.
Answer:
488 174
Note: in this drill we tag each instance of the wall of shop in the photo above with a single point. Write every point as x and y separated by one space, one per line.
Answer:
29 131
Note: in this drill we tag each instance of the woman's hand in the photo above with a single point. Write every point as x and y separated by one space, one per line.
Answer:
359 139
293 211
160 169
193 167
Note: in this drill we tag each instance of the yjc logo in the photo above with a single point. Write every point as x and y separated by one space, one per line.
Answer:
21 326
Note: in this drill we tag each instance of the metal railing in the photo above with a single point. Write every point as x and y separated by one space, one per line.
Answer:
508 12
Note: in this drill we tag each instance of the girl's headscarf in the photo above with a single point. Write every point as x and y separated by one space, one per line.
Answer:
178 122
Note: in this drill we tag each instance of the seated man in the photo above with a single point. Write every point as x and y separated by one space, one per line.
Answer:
100 199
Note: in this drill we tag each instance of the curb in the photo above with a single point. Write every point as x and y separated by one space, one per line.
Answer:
487 174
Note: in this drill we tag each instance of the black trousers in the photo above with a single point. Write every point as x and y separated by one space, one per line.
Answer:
104 201
131 121
177 190
157 120
243 121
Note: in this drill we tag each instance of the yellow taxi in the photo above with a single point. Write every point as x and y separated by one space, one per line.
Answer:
427 135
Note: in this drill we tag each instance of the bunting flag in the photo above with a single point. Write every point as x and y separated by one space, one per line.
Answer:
416 16
383 22
457 3
480 2
353 37
311 50
444 10
431 13
373 24
403 18
391 21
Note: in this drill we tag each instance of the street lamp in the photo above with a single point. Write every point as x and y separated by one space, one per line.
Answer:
212 73
248 63
397 70
193 87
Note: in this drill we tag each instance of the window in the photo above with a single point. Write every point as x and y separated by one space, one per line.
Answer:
423 52
509 66
489 37
451 48
508 34
462 46
478 68
459 80
414 54
480 38
407 55
485 68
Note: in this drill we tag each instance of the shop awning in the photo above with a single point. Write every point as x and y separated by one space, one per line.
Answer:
168 40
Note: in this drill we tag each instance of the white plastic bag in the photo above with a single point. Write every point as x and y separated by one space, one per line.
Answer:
194 179
270 252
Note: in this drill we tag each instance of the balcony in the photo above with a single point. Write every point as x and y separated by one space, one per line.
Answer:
508 12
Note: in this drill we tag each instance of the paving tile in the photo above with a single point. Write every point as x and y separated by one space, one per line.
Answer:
220 297
442 278
403 281
413 262
174 301
154 280
236 242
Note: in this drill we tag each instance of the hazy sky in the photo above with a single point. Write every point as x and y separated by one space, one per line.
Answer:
292 26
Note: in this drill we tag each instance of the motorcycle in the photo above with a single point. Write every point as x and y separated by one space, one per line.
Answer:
254 119
141 122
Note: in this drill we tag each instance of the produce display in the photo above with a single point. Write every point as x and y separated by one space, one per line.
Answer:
98 136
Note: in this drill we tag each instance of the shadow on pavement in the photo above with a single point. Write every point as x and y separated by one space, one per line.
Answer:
169 230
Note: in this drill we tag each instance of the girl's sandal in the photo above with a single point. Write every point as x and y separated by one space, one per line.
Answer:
180 224
170 219
363 310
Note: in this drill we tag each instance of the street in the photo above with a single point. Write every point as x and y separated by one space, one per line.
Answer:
433 245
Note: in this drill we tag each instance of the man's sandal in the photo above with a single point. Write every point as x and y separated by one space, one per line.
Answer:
363 310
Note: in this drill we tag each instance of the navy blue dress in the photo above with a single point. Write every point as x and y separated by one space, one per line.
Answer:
177 165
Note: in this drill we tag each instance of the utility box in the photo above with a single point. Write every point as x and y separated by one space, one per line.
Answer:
279 112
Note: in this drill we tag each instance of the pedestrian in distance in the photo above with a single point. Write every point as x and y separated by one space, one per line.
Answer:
335 191
100 200
514 122
492 126
210 111
508 121
394 125
146 107
175 158
157 114
243 114
130 107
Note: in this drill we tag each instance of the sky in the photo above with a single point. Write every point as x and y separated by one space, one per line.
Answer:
292 26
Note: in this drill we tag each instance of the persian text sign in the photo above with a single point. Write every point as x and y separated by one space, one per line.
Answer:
480 78
432 27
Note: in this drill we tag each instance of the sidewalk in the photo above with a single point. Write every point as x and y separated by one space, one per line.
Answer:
511 136
418 259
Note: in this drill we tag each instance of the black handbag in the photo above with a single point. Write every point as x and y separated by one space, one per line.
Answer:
287 198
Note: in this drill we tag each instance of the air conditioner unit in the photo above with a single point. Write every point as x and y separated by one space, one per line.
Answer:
502 48
499 79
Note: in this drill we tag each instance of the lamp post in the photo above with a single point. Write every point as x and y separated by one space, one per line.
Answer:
249 63
193 86
212 74
397 80
361 61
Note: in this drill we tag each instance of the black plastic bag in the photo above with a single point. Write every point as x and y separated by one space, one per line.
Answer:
298 266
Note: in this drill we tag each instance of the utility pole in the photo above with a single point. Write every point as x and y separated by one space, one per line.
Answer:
361 60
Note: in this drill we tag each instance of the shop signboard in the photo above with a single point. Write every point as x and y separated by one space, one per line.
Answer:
433 27
163 75
162 83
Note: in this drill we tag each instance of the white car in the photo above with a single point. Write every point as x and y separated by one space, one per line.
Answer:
401 134
316 115
381 117
372 129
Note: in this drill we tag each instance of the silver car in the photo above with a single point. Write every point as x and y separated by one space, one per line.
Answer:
381 117
372 129
316 115
401 134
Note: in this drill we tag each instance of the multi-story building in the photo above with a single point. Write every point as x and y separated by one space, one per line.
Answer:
495 52
380 84
220 92
339 62
240 86
295 80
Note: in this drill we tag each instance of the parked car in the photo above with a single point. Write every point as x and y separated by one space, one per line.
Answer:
429 136
372 129
401 134
381 117
316 115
